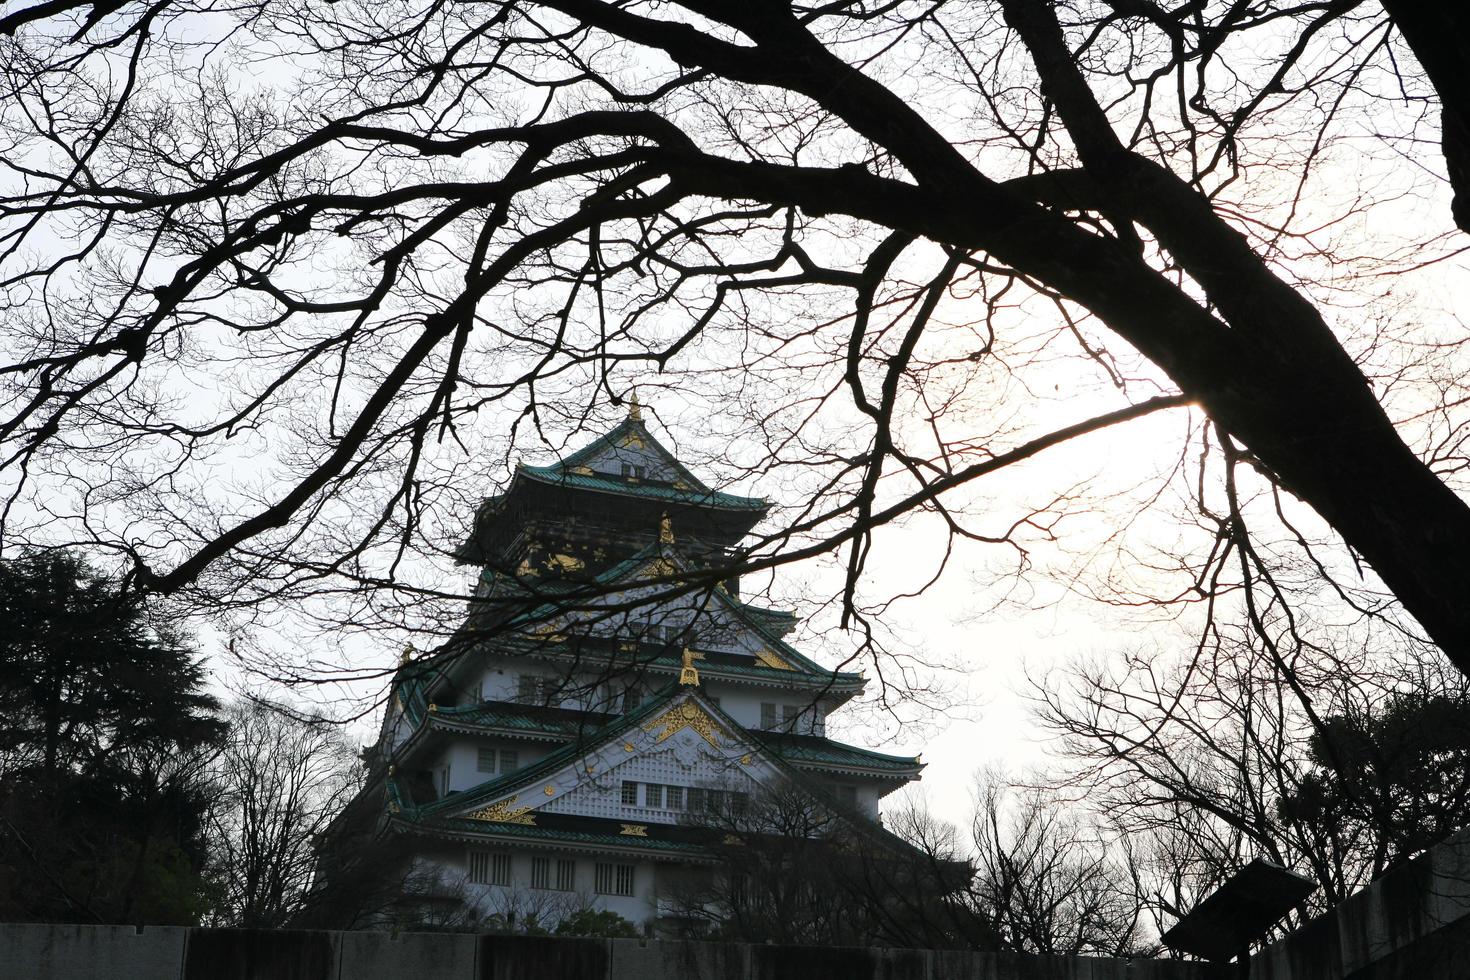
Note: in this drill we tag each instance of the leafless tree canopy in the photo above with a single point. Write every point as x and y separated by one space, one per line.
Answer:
277 273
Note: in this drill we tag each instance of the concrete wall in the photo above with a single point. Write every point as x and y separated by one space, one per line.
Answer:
1413 923
67 952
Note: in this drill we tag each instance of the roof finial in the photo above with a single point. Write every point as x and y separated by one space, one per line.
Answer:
689 675
405 658
665 530
635 408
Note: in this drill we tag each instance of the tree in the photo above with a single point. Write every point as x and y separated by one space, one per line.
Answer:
1394 777
794 868
921 210
104 740
1051 884
1343 767
281 780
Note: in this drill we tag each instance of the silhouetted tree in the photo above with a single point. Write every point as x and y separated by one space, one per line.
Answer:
280 779
900 239
104 740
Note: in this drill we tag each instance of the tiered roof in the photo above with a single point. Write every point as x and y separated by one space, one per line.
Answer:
464 814
532 627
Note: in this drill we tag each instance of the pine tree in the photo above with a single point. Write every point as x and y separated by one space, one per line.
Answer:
104 729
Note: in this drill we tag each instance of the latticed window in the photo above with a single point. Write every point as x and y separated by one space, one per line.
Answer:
789 714
768 716
653 796
613 879
510 760
489 868
566 876
675 797
630 793
540 872
485 760
528 688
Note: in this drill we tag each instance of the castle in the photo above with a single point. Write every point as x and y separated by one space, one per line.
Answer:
612 706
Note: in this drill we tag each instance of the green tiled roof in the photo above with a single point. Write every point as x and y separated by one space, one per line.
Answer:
785 750
798 749
534 719
495 788
559 476
549 834
698 493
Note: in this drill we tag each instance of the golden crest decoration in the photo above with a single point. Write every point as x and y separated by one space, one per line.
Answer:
504 811
685 714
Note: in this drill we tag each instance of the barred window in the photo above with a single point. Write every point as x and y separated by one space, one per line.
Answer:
653 796
613 879
566 876
489 868
789 714
675 797
510 760
485 760
540 872
768 716
528 688
696 799
630 793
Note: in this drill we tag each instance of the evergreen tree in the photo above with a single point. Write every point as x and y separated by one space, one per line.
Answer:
104 731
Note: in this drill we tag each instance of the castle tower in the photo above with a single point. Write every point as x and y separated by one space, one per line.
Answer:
608 689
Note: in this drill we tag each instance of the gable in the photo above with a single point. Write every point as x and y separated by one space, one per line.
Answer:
631 445
682 742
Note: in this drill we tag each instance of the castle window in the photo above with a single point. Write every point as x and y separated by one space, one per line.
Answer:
847 794
510 760
489 868
613 879
540 872
630 793
789 714
566 876
675 797
632 471
484 760
653 796
768 716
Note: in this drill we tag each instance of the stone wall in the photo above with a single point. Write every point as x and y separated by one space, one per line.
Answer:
70 952
1413 923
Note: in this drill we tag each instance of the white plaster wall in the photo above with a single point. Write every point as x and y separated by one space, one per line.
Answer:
549 905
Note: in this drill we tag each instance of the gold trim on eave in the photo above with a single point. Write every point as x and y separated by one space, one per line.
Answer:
634 830
504 811
769 659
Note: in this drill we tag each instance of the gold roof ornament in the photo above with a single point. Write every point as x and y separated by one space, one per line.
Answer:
505 811
406 657
635 409
685 714
634 830
688 675
665 529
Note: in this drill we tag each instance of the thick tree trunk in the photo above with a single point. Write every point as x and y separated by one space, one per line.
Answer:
1438 31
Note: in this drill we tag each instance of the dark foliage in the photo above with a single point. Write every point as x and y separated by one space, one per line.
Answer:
1397 777
103 738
